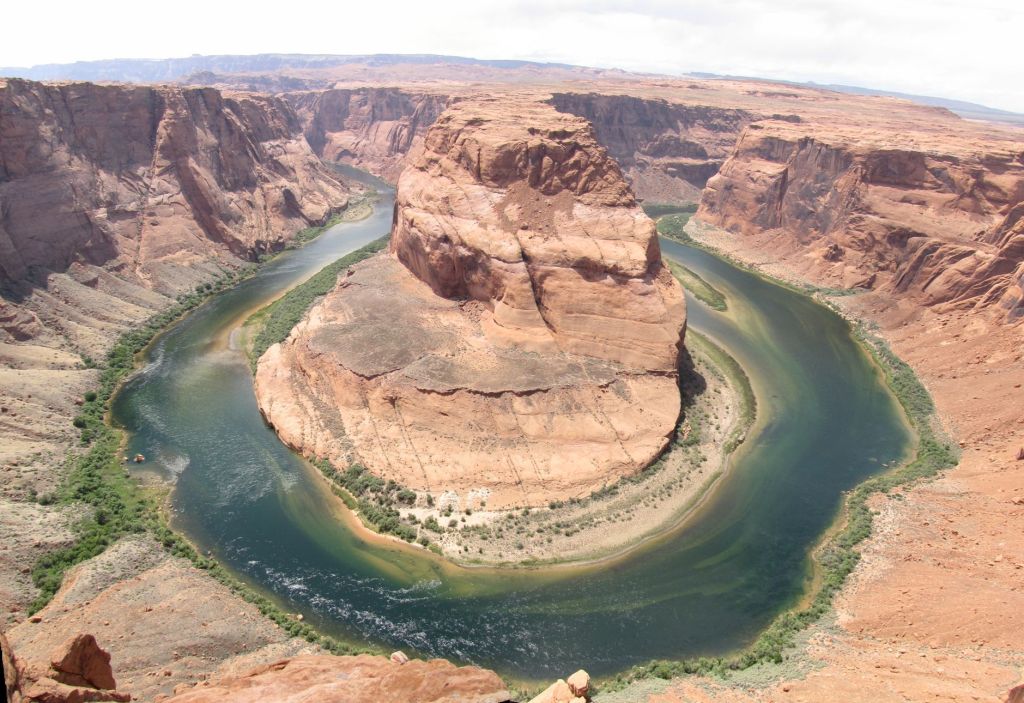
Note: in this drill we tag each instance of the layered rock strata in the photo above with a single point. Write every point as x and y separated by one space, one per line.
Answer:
150 181
667 150
376 129
941 223
519 342
113 200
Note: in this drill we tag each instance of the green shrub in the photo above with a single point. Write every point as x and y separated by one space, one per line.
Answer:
671 226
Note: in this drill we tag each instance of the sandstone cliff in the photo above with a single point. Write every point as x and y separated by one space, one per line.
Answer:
149 181
376 129
527 349
939 222
517 205
113 200
667 150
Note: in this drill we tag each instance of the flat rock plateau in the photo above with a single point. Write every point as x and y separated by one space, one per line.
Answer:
115 198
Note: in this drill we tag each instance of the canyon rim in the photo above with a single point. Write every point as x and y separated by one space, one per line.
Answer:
517 344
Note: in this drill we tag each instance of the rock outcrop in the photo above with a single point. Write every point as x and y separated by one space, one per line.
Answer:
12 680
148 182
575 689
667 150
516 205
79 671
376 129
940 222
81 661
521 340
360 679
114 199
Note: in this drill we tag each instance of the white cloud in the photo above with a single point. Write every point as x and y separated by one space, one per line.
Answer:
955 49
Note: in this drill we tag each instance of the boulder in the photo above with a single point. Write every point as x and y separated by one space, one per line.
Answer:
47 690
579 683
80 661
558 692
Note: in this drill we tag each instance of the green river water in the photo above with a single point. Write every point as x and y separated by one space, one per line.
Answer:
826 421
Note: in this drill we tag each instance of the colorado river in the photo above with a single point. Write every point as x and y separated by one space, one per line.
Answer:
826 421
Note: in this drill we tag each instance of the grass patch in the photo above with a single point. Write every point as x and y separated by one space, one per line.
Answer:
304 236
97 478
701 289
277 319
376 500
656 210
117 505
740 382
672 226
357 208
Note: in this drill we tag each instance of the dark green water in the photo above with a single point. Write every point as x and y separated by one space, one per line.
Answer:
825 423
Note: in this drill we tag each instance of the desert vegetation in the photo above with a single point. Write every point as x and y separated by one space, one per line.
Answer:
697 286
114 505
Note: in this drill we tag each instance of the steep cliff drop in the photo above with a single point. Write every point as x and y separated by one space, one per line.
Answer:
377 129
937 218
114 199
667 150
520 341
150 182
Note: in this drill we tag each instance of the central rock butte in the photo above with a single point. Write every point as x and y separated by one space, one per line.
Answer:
519 342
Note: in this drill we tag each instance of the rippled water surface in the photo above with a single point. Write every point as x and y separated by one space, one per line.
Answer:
825 422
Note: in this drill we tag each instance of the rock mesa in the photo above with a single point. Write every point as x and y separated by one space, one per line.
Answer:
520 340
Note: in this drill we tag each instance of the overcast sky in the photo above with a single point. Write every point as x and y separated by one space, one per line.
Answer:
963 49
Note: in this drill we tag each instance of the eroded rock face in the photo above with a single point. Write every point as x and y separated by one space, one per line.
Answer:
521 340
515 204
360 679
667 150
79 671
148 181
373 128
939 224
12 680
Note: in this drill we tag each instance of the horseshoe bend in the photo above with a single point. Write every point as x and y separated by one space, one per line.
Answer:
428 379
519 341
